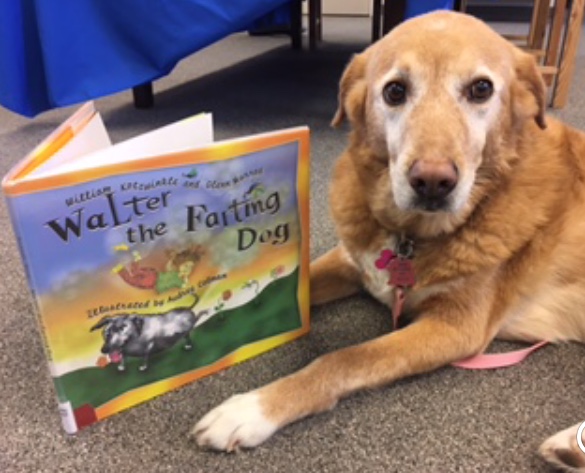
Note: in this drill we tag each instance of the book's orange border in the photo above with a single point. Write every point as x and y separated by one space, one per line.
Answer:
45 150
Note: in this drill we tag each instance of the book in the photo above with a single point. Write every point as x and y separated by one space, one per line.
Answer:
162 259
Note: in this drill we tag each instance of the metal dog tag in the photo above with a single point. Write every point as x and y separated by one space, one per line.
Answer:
401 272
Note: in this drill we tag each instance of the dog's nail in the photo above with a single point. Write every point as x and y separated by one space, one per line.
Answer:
233 447
201 441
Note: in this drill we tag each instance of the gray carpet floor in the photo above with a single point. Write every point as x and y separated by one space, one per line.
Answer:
447 421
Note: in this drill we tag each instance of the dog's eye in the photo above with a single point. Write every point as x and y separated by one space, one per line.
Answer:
394 93
480 91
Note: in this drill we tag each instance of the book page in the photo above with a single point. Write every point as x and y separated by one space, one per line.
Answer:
186 134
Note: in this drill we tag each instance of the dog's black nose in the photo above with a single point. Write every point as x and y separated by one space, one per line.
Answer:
433 180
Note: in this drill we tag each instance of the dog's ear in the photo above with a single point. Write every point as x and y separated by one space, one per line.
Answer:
138 323
104 321
529 90
352 91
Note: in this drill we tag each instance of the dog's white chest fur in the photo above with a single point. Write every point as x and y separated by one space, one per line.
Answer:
376 280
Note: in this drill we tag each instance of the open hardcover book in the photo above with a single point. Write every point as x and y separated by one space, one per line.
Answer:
162 259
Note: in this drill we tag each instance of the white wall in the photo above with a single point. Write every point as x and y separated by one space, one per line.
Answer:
347 7
343 7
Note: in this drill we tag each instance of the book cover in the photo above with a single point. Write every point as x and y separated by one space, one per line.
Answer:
150 270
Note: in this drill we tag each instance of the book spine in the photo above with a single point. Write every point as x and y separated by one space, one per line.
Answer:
64 406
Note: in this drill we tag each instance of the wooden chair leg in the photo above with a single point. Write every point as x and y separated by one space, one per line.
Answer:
556 29
538 24
567 62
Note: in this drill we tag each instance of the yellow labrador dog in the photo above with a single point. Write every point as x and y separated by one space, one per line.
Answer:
454 170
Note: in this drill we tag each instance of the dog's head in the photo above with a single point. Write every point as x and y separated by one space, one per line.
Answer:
440 100
118 331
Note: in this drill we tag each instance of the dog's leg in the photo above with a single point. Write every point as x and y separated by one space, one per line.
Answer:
333 276
188 343
144 365
448 333
562 450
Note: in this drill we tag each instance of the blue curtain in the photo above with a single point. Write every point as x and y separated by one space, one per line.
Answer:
60 52
418 7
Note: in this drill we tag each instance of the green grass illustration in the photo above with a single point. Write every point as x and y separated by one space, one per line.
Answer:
273 311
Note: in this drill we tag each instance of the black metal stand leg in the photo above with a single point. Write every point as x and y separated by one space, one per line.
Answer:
315 23
394 13
143 95
376 20
296 24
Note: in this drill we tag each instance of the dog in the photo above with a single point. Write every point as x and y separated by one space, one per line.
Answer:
453 166
142 336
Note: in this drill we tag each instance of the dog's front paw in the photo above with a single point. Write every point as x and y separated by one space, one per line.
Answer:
562 450
238 422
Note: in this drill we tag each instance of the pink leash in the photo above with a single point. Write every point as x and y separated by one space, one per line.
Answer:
483 361
490 361
404 277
